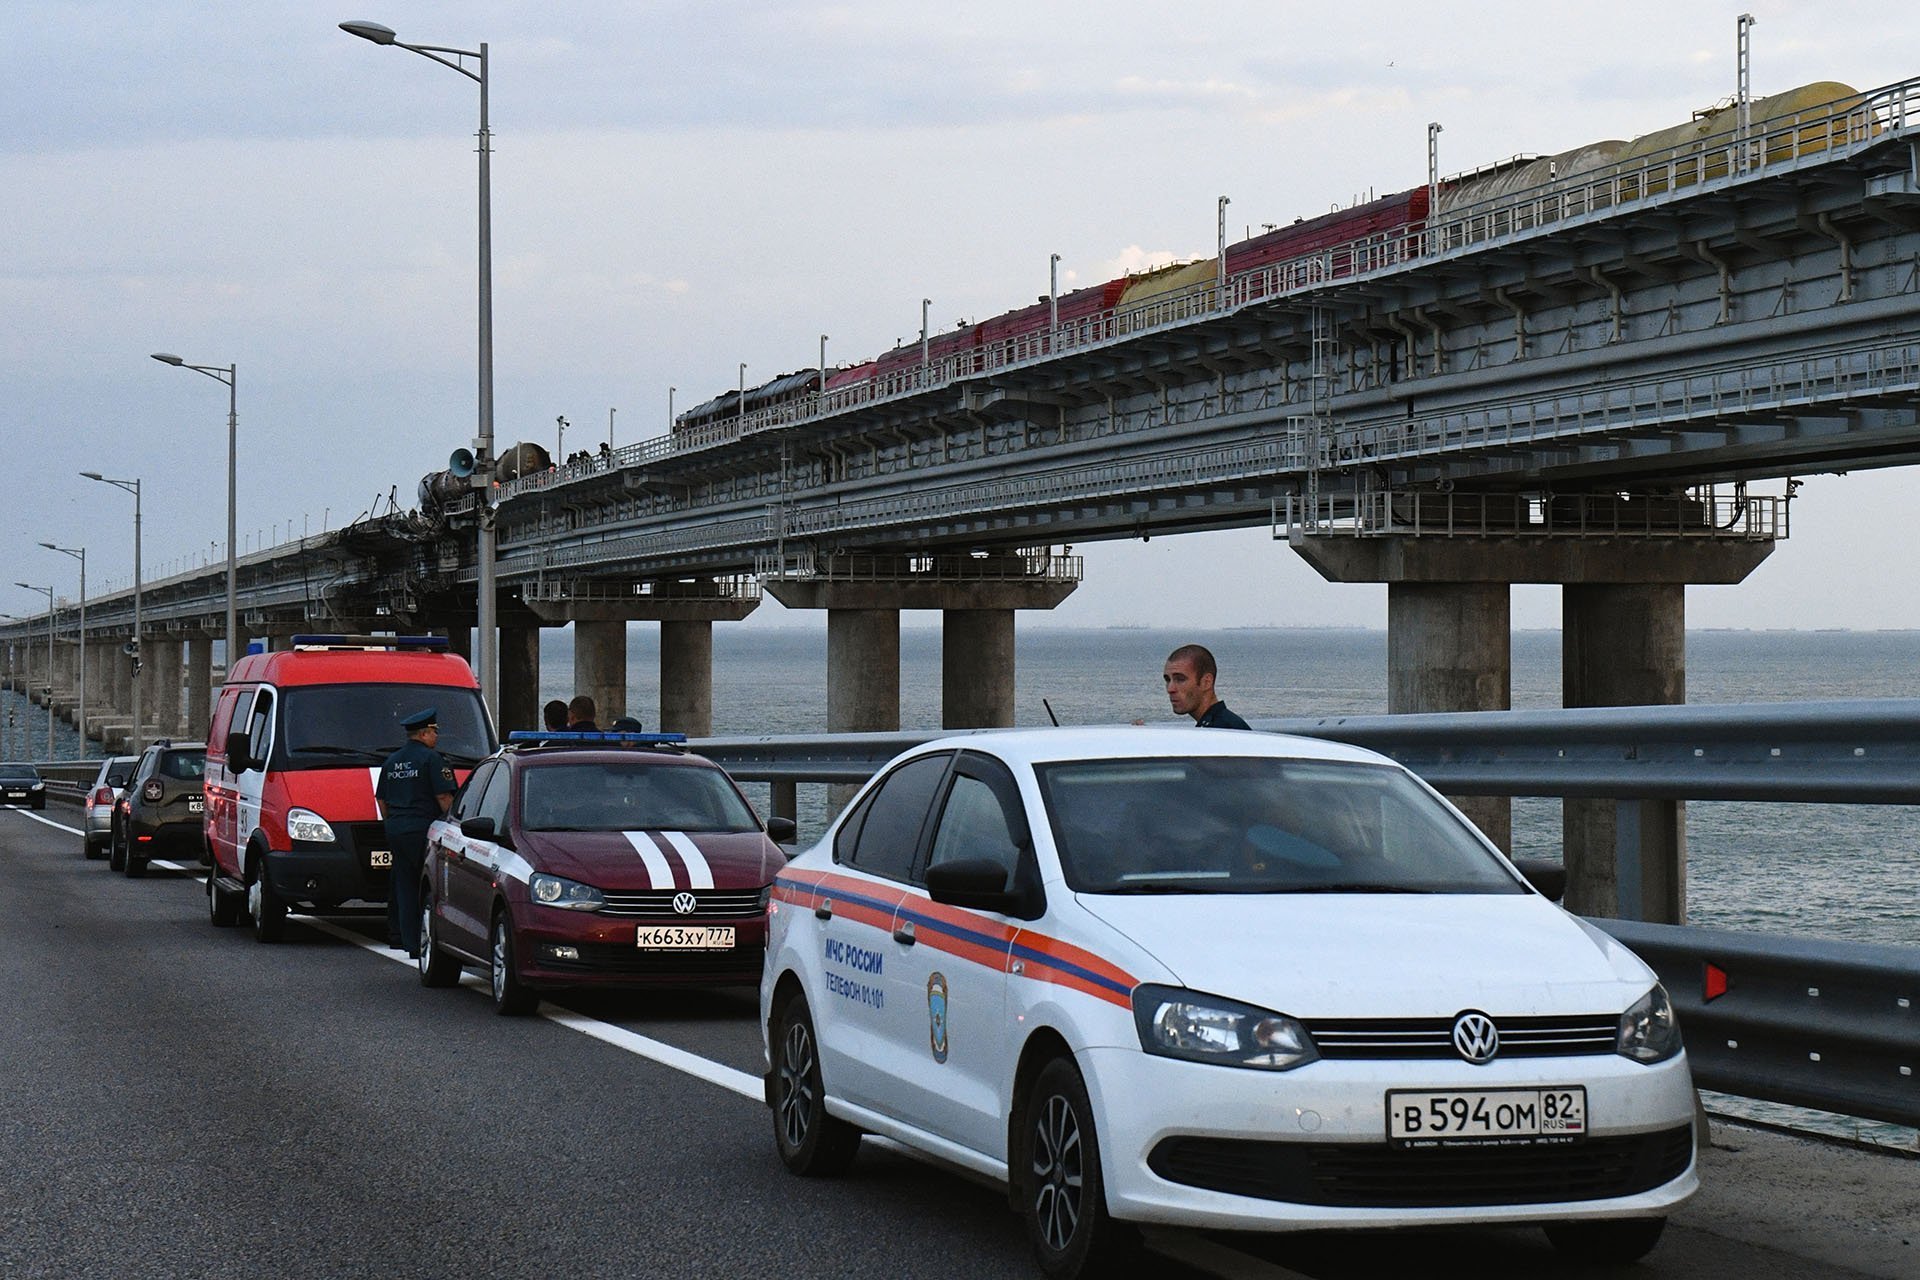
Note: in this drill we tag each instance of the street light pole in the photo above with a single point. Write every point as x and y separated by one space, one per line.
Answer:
230 376
49 590
80 554
483 462
133 487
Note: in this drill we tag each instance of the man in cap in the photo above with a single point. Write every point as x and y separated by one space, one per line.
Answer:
416 786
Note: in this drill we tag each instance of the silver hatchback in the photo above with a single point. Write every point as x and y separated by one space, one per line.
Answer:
102 793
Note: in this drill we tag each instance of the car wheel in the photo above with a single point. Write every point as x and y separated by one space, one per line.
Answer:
90 849
510 998
811 1143
221 908
116 859
1064 1198
267 909
1608 1241
135 865
437 968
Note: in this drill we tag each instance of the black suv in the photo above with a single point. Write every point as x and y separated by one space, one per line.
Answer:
21 784
161 811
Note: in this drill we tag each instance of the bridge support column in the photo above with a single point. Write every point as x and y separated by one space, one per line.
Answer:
1450 648
1625 645
519 676
199 685
976 669
120 669
686 612
163 684
600 666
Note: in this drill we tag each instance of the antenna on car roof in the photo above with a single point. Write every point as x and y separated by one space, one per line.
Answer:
1050 715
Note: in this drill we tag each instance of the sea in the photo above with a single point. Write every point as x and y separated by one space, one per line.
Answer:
1813 871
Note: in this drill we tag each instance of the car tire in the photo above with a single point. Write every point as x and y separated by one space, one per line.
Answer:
437 968
811 1143
91 850
222 910
511 998
266 908
1607 1241
1063 1196
116 860
135 864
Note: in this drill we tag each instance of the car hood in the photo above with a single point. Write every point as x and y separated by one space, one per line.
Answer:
642 860
1381 956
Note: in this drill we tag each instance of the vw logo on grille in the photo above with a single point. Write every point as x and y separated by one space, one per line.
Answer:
1475 1037
684 904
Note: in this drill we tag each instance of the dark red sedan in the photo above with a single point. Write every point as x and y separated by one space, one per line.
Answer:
588 864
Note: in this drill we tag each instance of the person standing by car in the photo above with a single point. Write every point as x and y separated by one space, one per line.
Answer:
1189 675
416 786
580 714
553 716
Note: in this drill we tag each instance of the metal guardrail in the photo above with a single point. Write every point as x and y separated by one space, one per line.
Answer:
1824 1024
1700 514
1829 1025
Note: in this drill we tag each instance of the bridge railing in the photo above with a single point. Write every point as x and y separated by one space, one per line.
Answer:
1824 1024
1701 513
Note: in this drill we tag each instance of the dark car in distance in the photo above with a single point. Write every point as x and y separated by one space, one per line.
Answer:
21 784
163 809
592 864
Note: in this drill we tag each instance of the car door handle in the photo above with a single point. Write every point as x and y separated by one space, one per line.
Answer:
824 910
905 935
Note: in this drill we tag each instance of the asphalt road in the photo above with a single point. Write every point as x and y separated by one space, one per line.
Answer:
176 1099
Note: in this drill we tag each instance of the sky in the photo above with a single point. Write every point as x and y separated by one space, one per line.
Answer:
679 187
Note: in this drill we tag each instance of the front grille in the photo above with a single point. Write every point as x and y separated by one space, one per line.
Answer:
709 904
1374 1175
1403 1038
742 963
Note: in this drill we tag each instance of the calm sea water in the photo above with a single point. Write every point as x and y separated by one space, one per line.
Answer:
1833 871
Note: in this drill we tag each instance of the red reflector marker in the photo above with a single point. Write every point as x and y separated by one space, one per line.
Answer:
1715 983
144 839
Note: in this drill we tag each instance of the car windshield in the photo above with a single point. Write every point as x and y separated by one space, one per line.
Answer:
1249 824
630 796
19 773
188 766
330 725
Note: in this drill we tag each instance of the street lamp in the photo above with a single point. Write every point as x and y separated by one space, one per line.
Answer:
80 554
6 720
229 375
483 465
133 487
49 590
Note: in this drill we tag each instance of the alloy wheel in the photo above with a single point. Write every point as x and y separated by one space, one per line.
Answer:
1057 1172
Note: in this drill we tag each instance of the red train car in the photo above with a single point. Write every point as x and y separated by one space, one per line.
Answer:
1381 224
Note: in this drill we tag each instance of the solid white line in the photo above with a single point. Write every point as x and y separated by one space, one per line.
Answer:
48 822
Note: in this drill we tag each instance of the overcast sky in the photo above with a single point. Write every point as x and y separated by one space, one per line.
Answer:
681 187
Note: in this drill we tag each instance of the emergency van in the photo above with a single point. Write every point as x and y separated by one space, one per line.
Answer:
295 748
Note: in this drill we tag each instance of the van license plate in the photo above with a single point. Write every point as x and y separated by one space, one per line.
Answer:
380 858
1486 1115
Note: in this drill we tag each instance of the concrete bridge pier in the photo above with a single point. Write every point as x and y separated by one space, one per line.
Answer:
163 670
600 665
199 684
1624 643
519 677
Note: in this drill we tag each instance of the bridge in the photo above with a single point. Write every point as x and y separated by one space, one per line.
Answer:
1587 382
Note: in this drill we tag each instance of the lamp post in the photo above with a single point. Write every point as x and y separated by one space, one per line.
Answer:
926 360
133 487
670 391
49 590
229 376
1053 301
560 437
483 464
6 715
80 554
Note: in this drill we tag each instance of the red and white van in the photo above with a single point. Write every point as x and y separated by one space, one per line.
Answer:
295 747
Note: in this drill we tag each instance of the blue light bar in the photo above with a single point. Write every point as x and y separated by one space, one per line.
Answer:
537 737
370 642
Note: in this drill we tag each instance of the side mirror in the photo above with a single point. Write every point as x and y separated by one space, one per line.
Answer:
238 746
478 828
782 830
978 883
1550 878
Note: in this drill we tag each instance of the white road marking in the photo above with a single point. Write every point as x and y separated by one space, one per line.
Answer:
659 874
1189 1247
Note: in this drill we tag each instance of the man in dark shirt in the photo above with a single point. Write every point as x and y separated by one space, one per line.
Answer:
580 713
416 786
1189 676
553 716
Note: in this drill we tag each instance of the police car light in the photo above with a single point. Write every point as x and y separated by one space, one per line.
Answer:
552 737
370 642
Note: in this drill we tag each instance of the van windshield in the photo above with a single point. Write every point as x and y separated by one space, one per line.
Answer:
327 726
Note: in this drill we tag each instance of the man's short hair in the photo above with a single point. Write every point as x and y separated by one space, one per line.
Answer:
554 714
581 708
1199 656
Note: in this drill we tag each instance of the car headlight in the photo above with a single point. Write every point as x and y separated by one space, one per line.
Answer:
1649 1031
571 895
305 824
38 786
1177 1023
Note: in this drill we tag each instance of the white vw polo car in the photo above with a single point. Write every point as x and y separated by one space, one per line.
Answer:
1215 979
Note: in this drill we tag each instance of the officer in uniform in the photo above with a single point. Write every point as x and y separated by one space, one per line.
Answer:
416 786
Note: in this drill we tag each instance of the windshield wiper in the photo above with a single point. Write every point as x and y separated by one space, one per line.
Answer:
1349 886
360 753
